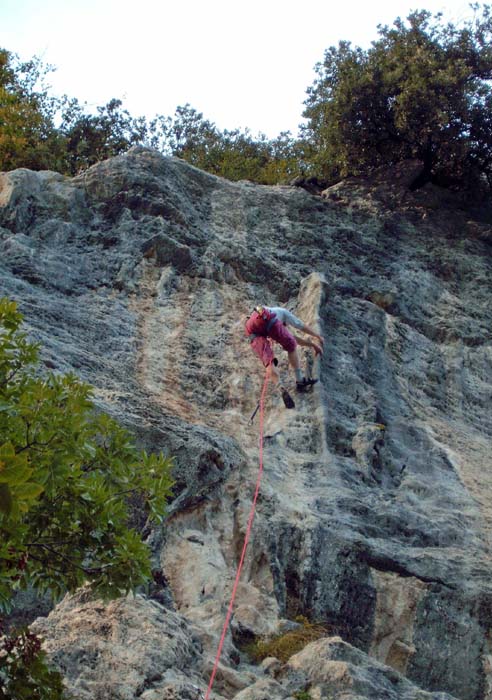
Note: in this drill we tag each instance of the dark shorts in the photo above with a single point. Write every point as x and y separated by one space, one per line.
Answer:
263 347
283 336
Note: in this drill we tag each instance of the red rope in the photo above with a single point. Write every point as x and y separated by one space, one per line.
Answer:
245 545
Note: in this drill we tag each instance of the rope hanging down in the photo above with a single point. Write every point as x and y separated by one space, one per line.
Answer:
245 545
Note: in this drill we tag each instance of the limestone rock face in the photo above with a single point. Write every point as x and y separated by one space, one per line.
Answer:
120 650
333 667
375 512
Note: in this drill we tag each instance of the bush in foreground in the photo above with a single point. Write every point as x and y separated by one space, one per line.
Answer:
67 475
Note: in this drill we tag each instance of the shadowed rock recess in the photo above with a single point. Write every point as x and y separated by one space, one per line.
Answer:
375 513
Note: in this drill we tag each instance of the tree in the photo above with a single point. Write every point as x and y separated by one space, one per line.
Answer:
67 473
90 138
28 137
234 154
421 91
39 131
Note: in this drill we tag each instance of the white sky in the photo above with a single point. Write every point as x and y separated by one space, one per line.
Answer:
243 64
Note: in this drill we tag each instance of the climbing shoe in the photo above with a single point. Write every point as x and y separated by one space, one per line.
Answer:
287 399
305 384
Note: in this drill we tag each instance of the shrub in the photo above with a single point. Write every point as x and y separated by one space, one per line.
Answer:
67 473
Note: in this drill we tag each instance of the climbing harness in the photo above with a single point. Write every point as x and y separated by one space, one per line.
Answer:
246 539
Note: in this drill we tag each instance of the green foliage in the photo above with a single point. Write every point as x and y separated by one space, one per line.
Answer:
283 646
31 137
90 138
67 474
421 91
302 695
235 155
28 137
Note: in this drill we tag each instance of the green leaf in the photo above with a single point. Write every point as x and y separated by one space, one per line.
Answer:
90 448
28 491
7 451
15 474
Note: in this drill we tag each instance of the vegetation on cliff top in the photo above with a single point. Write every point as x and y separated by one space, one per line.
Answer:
422 90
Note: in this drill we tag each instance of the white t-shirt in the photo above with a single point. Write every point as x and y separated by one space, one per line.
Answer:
286 317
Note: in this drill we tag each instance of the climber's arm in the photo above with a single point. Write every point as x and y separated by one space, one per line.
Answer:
288 317
309 331
318 349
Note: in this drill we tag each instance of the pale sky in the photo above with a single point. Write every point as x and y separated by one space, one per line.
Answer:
243 64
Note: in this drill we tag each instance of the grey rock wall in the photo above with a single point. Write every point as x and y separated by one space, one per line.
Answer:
376 505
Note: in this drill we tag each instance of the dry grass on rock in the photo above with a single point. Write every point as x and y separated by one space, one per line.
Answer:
283 646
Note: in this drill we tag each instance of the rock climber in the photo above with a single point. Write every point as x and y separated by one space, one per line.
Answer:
270 322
